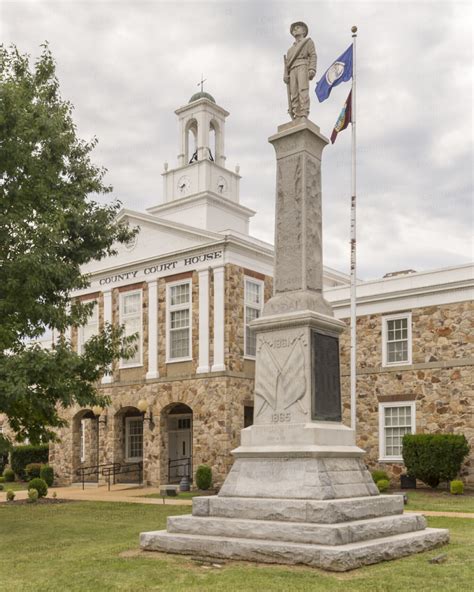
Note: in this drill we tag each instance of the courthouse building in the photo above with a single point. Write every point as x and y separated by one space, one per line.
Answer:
190 283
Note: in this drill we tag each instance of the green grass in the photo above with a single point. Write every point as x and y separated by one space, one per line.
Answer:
440 501
77 547
15 486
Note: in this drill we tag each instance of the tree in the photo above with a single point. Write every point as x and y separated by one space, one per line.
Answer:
51 224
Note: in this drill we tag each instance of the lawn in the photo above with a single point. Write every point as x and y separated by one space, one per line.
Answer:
15 485
90 546
439 501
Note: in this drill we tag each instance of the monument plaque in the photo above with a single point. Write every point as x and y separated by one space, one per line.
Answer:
326 395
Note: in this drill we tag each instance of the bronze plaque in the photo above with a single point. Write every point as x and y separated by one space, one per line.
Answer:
326 387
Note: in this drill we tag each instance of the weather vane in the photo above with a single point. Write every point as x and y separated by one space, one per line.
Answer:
203 80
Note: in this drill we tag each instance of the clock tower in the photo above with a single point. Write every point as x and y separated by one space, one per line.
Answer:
201 191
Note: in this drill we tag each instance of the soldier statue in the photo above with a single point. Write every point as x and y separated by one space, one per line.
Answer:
300 68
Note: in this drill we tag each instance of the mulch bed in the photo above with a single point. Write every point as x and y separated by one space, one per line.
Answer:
42 501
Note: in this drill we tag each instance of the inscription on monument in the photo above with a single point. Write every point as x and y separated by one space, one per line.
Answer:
326 385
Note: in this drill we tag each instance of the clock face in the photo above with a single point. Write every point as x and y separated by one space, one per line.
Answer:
221 185
184 185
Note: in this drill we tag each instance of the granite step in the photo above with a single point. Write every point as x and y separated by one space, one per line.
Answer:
332 558
299 510
298 532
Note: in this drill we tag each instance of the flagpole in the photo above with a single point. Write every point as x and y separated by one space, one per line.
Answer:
353 365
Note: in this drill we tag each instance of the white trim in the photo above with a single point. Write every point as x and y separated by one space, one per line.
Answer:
169 310
129 458
107 294
395 317
382 406
261 285
125 363
82 453
203 322
80 330
152 330
219 319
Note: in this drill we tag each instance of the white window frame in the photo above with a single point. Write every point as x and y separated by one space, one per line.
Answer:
124 364
396 317
80 331
169 310
383 457
129 458
261 284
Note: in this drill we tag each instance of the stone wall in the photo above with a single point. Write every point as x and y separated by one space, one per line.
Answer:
440 379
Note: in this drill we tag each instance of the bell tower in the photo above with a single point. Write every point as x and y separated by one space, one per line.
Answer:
202 130
201 191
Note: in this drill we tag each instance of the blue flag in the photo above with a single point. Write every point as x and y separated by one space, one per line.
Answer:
339 71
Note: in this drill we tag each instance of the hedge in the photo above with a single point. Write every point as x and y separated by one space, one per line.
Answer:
25 455
433 458
204 477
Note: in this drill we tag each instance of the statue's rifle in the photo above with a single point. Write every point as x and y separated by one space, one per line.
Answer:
287 73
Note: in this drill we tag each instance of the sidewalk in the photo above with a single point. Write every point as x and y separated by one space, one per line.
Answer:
118 493
137 495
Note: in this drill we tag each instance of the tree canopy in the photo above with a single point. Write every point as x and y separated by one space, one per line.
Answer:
51 224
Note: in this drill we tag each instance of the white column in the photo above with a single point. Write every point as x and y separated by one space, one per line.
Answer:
152 330
203 322
219 364
107 378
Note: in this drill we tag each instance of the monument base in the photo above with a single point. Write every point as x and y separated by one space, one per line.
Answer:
336 535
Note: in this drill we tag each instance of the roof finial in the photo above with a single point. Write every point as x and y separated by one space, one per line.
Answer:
203 80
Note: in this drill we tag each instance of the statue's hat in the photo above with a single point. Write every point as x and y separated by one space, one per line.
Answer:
301 24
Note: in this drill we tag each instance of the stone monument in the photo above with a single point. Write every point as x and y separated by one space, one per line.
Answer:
299 491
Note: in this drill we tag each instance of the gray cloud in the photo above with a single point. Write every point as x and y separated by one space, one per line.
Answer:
126 66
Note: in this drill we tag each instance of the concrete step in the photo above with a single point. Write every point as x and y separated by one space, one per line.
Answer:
298 510
333 558
297 532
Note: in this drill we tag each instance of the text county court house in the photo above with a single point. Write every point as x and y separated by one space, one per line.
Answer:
191 282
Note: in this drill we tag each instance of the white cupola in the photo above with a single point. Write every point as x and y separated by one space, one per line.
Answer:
201 191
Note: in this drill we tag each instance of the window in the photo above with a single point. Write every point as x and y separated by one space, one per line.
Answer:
248 416
395 420
253 309
396 340
131 318
133 439
179 321
88 330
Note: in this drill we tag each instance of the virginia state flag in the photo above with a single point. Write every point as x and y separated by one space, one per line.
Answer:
344 119
339 71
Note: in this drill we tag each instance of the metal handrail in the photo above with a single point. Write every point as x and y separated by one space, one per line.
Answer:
178 462
118 469
92 470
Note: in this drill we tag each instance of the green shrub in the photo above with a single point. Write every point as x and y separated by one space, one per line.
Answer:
9 475
456 487
2 479
40 486
433 458
204 477
10 495
383 485
33 496
1 486
47 474
24 455
32 470
379 475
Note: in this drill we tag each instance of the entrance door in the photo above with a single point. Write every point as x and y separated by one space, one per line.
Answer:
180 447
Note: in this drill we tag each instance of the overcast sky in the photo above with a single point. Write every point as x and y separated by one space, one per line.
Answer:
127 65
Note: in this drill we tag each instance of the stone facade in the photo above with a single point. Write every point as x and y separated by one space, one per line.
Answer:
439 380
216 399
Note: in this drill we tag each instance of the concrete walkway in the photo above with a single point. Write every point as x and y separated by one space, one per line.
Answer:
137 495
118 493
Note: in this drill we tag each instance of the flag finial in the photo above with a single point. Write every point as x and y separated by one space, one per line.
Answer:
354 30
